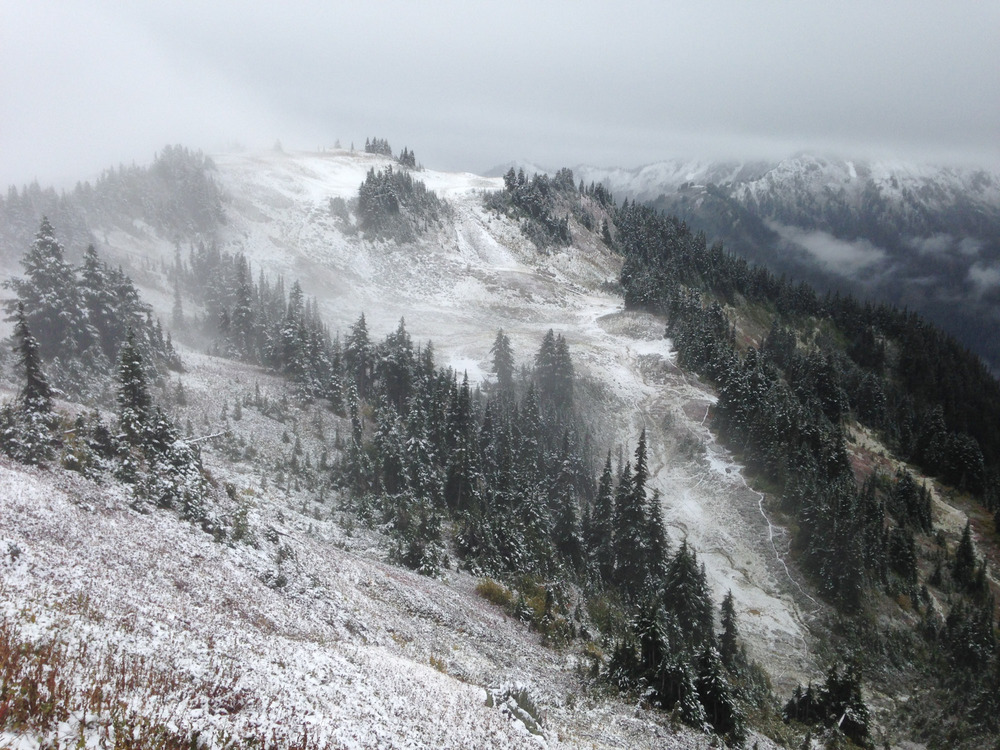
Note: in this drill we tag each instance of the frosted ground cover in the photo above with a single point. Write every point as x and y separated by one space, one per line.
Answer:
350 651
345 647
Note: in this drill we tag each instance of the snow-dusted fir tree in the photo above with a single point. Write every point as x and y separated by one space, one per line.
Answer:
358 357
164 469
503 362
134 401
554 373
51 297
730 650
718 697
100 302
601 532
25 425
687 597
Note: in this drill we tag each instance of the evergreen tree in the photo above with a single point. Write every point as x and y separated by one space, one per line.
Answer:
503 362
134 400
686 596
656 541
729 644
554 373
563 376
51 297
631 522
600 539
718 698
36 396
242 319
567 532
395 367
606 233
358 357
844 705
100 303
963 569
25 428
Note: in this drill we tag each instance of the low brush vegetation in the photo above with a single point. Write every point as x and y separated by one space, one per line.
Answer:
59 695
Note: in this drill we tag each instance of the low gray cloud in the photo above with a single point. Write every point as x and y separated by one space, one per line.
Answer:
85 84
939 244
849 259
984 277
970 246
933 245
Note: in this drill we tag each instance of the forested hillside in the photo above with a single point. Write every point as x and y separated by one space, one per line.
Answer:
798 374
916 237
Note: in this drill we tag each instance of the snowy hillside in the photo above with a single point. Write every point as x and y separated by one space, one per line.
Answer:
349 650
480 274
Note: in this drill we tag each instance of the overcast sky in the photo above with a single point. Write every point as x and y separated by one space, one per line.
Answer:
468 85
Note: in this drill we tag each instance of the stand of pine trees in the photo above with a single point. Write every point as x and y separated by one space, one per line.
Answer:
79 316
394 205
176 195
378 146
258 322
141 448
86 319
533 201
504 478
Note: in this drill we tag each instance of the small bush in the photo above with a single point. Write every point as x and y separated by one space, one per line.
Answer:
496 593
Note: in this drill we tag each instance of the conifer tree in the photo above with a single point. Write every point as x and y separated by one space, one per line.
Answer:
600 539
51 297
134 400
717 697
630 538
729 644
503 362
25 427
545 366
567 532
686 596
100 302
390 452
36 396
395 366
963 570
656 541
242 319
564 375
358 357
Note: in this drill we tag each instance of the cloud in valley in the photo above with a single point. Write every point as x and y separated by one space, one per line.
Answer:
849 259
985 278
84 85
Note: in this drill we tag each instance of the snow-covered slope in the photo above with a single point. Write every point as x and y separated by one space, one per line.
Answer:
457 286
346 647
